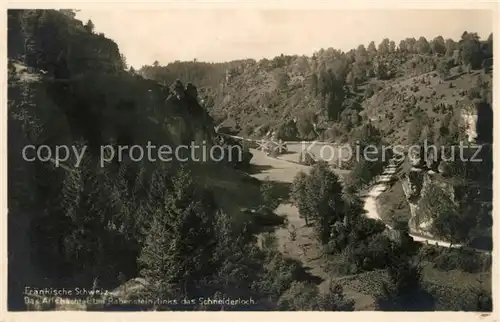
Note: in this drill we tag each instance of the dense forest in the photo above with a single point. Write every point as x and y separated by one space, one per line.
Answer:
179 226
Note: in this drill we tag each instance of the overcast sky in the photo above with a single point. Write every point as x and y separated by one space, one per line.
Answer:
227 34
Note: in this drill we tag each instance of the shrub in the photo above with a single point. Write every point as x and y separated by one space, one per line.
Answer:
302 296
305 127
444 67
279 274
287 131
465 260
269 194
364 171
474 93
293 232
370 254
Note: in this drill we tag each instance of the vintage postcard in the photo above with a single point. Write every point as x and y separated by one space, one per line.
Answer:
239 158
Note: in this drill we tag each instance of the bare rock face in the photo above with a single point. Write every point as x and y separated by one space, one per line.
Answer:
469 115
477 119
413 184
418 186
413 187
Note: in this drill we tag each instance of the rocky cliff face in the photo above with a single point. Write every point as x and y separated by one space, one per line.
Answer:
469 117
451 168
470 169
417 185
187 120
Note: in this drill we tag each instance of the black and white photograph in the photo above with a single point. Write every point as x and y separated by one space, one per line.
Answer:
249 159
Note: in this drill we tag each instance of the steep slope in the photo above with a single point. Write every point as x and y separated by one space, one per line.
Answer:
83 220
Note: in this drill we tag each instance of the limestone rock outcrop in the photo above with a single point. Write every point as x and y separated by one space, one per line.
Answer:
417 184
477 119
469 115
472 167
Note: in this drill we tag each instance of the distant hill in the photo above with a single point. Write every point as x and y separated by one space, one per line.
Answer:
328 95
